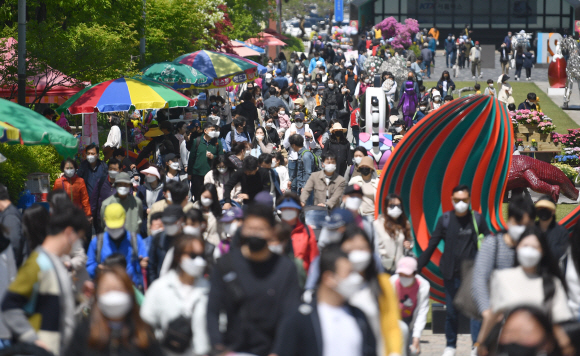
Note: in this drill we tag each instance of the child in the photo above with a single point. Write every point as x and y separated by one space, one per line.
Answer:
447 99
283 118
423 95
477 89
512 108
490 89
436 102
421 111
214 116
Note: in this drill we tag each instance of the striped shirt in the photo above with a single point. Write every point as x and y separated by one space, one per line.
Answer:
493 254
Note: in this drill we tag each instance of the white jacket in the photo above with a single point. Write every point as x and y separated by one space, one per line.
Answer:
114 137
284 177
293 156
165 301
420 314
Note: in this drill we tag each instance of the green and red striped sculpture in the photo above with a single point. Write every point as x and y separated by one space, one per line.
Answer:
467 141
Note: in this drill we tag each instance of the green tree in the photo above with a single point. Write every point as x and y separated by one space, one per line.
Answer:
249 17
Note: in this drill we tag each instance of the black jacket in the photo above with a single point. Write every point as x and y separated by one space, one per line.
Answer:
558 239
251 185
330 97
526 106
256 299
302 334
456 249
152 147
160 244
250 112
318 127
273 136
342 151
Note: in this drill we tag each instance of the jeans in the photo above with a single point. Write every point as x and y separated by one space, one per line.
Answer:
355 133
292 173
447 58
451 315
330 114
519 70
433 56
428 67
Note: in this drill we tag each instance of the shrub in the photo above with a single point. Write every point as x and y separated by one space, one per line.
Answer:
568 170
23 160
294 44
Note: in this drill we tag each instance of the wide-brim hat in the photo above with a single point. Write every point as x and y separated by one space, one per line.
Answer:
154 132
337 127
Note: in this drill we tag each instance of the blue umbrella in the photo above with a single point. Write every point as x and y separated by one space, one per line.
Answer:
251 46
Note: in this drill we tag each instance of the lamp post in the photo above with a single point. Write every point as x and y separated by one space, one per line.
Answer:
22 52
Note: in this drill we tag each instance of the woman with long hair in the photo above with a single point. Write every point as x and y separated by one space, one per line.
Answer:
352 170
376 299
181 293
392 233
34 222
445 84
114 326
212 211
238 153
261 143
221 172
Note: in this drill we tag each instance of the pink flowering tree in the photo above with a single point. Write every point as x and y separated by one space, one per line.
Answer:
402 34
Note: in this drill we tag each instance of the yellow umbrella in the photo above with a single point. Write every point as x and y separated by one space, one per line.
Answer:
8 132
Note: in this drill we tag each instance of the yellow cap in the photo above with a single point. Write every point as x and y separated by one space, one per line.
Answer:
114 216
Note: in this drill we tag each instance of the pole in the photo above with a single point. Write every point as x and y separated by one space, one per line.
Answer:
22 52
279 5
142 42
127 133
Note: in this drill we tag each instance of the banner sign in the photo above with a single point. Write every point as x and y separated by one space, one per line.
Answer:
547 43
338 11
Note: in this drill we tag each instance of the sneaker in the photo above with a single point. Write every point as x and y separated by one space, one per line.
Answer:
449 351
473 77
474 351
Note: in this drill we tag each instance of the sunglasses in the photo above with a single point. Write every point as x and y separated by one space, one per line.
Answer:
455 200
393 206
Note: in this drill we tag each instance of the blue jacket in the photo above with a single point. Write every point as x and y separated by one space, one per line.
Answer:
282 82
528 60
92 176
313 64
158 247
508 43
239 137
125 248
303 168
432 45
448 45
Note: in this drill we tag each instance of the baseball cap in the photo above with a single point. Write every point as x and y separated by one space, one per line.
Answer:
476 42
114 216
268 76
123 177
353 189
193 124
278 71
406 265
289 203
299 116
338 217
169 157
264 198
172 213
232 214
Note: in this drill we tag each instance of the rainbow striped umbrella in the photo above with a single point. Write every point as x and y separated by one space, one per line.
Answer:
9 133
227 69
467 141
177 75
124 94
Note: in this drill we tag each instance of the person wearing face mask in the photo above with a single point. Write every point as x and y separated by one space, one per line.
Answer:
330 322
302 236
114 326
92 169
274 101
313 62
252 179
103 190
422 111
390 88
343 105
299 141
413 293
230 222
318 125
237 133
263 282
490 90
270 127
43 289
280 79
172 168
504 59
462 230
210 206
116 239
133 206
150 192
181 294
497 252
319 93
203 150
326 185
173 222
74 186
436 102
445 84
368 180
114 138
339 146
219 175
556 234
283 118
298 73
475 58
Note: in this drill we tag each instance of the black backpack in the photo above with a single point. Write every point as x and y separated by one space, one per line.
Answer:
179 334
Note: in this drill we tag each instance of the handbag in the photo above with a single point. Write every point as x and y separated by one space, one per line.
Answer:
179 334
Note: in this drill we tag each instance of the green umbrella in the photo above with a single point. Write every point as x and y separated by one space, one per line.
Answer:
176 75
35 129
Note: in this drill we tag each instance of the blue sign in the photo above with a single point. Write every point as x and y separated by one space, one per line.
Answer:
338 11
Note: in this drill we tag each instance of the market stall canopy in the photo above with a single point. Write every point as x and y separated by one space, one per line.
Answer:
274 33
125 94
255 48
265 40
8 133
243 51
176 75
35 129
61 86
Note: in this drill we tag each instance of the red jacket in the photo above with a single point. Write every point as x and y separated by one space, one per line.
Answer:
79 195
304 244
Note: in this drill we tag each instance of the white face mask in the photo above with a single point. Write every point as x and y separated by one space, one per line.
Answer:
222 170
269 125
344 91
422 108
206 201
214 134
300 80
359 259
289 214
69 172
116 234
299 124
168 197
260 137
274 163
350 285
328 236
192 230
330 168
398 129
516 231
353 203
174 165
91 158
277 249
394 212
330 86
123 191
270 65
491 85
172 230
285 96
150 179
281 112
320 92
528 256
230 228
357 160
437 98
115 304
247 153
113 174
406 281
461 207
193 266
307 94
156 232
268 81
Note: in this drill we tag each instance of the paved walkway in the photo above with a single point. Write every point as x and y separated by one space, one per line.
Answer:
434 344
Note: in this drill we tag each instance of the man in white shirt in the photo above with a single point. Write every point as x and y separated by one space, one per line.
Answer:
475 58
329 326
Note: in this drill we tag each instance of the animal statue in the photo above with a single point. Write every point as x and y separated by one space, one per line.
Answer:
568 44
521 40
541 177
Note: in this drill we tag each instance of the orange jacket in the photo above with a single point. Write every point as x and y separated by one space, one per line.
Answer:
304 244
78 193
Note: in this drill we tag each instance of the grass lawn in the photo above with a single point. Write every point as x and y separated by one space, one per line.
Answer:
561 210
521 89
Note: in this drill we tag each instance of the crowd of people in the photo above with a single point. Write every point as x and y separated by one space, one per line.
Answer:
255 232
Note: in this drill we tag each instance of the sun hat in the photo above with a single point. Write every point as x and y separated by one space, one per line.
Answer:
337 127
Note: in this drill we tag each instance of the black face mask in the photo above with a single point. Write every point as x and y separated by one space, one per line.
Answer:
410 79
365 171
339 134
255 244
544 214
516 350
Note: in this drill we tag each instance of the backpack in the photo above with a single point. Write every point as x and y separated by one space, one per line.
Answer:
316 164
476 221
166 147
101 238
